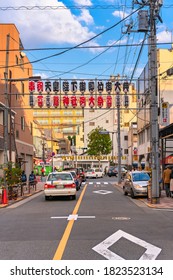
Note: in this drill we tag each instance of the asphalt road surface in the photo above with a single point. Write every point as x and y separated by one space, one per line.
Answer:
101 224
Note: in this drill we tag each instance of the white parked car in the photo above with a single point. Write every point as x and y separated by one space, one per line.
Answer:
60 184
94 173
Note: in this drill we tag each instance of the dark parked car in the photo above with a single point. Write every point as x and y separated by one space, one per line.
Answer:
112 171
77 179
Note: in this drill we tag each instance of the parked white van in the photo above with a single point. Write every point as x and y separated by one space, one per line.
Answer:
94 173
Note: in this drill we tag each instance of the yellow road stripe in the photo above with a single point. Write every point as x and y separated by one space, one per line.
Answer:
60 250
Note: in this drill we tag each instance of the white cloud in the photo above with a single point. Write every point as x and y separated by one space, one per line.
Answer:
83 2
120 14
164 37
85 17
38 27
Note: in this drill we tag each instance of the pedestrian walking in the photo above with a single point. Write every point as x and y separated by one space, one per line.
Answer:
32 178
166 180
171 184
23 177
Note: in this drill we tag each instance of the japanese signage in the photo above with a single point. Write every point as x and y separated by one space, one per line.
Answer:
73 93
164 114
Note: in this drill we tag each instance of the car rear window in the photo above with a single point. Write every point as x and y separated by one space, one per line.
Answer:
62 176
90 170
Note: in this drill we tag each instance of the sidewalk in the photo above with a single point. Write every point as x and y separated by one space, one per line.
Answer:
164 203
26 193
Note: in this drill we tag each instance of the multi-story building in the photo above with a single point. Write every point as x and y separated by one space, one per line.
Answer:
16 138
107 119
164 86
60 123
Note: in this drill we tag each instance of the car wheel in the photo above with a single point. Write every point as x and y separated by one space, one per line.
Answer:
132 194
46 197
74 197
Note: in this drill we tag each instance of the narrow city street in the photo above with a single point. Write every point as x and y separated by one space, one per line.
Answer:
101 224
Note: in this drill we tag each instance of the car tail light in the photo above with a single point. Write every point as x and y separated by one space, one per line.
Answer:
70 185
49 186
93 172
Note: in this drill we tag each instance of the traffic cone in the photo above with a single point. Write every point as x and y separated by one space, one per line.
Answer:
4 197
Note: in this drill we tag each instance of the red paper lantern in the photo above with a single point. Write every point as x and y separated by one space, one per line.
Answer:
82 101
40 86
108 101
66 101
40 100
100 101
91 101
73 101
31 86
55 100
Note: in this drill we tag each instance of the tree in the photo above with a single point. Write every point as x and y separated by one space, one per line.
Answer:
99 144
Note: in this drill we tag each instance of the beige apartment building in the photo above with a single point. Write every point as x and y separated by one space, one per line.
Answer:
165 86
15 69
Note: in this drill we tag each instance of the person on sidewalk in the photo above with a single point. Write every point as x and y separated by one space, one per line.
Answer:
32 178
166 180
171 184
23 177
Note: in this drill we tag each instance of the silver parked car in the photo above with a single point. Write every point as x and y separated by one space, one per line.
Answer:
136 183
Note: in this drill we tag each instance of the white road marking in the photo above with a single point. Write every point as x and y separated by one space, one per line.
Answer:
151 252
102 192
98 183
73 217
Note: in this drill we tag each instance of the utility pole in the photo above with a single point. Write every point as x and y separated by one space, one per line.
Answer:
154 7
6 108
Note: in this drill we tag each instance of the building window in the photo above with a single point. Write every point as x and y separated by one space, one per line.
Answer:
17 134
107 121
17 60
126 137
22 88
126 151
22 123
91 123
126 124
31 128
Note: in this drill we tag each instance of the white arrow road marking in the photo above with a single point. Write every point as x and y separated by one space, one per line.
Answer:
73 217
102 192
151 252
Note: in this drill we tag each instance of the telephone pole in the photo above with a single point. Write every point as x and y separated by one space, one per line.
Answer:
153 88
148 24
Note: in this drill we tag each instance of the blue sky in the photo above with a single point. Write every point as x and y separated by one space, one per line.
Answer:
71 22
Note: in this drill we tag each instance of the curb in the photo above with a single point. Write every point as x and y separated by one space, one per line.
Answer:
19 199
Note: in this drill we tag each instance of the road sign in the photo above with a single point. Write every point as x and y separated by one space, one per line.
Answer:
164 114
